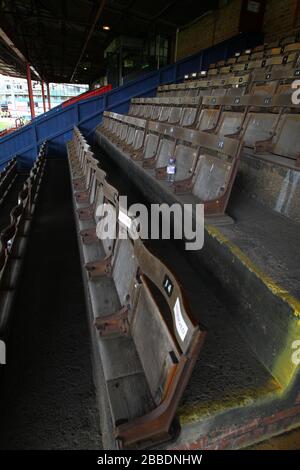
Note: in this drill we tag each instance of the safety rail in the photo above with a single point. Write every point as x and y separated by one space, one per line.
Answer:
87 95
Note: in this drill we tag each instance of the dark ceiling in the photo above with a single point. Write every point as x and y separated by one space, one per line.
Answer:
52 33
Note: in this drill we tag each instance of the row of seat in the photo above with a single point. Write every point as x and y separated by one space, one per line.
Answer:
7 179
206 163
269 57
13 239
264 123
148 340
256 82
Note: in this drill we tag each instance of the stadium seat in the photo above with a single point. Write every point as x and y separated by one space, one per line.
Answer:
143 392
7 178
13 239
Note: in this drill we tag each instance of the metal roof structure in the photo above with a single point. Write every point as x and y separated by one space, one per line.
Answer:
64 40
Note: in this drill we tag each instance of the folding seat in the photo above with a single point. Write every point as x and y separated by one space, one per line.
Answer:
166 149
148 339
239 67
159 144
82 192
257 55
275 81
88 199
180 89
175 109
125 128
231 61
79 174
77 158
7 178
148 343
107 122
245 57
146 141
231 115
156 106
148 102
209 114
140 108
113 123
186 153
259 48
165 109
292 47
135 137
117 127
261 119
13 239
190 110
284 140
180 106
134 106
127 131
99 194
199 88
78 163
120 122
255 64
218 86
273 50
280 60
238 85
226 69
210 181
163 90
212 72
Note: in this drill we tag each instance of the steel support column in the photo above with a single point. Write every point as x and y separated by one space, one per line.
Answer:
30 93
43 95
49 98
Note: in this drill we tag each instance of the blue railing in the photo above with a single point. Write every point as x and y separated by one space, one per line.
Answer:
56 125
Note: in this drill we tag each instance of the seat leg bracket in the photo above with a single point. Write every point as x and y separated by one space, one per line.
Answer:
116 323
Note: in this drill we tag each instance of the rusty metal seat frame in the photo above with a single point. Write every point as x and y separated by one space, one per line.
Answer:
7 178
172 349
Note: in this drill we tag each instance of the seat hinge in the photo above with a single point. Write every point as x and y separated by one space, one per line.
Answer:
99 268
115 323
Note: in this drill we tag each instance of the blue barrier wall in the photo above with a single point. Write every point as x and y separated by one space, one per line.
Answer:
56 125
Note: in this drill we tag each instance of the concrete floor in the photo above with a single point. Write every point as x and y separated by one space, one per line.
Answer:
287 441
47 395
